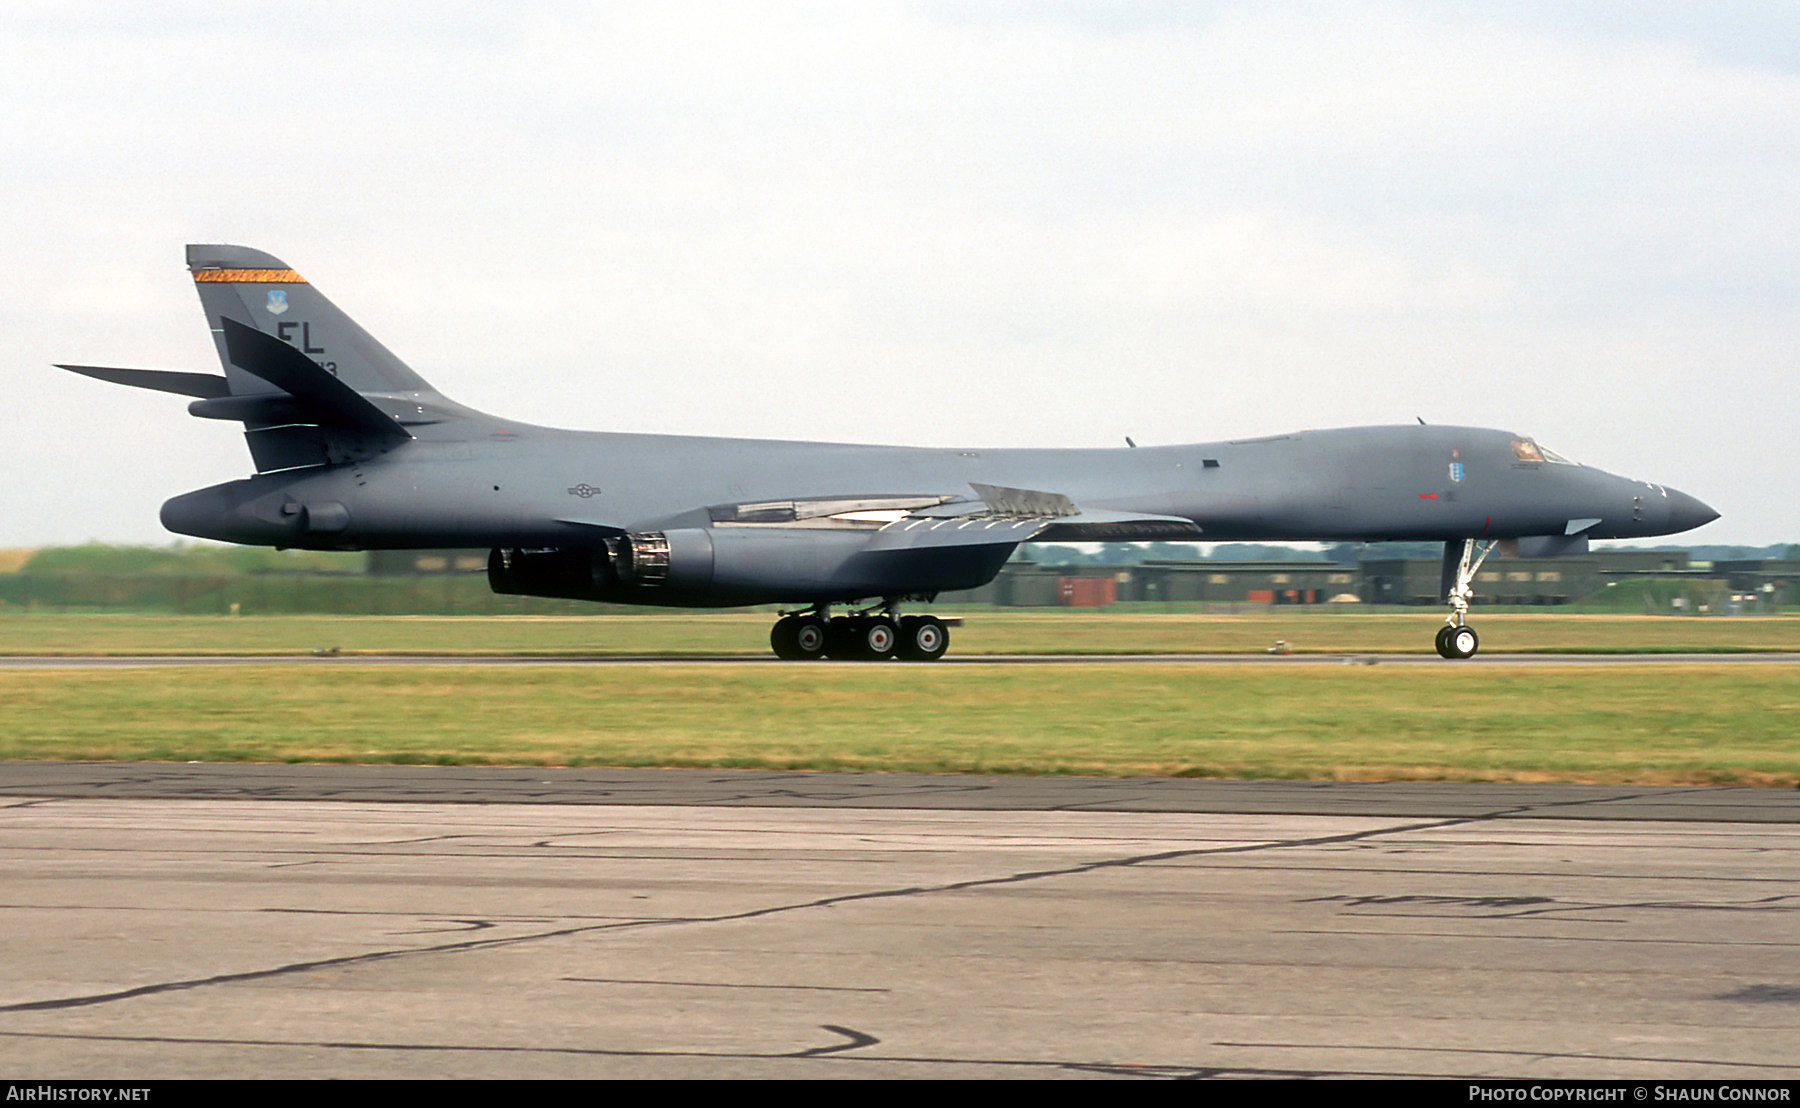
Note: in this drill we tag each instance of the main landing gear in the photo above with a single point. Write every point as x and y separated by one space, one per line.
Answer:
1457 639
871 635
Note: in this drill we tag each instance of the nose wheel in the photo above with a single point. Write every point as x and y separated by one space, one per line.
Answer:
1457 642
1456 639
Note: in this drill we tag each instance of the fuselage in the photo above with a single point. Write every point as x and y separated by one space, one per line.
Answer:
516 485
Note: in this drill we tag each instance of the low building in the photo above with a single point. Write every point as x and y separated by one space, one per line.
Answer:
1026 584
1502 580
1536 581
1773 582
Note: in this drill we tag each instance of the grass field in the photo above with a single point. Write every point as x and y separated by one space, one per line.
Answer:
1676 723
1667 724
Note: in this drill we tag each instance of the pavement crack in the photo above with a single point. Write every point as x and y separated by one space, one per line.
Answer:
464 946
453 925
825 902
857 1041
834 1053
661 983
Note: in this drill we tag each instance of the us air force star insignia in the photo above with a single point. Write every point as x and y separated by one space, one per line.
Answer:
277 301
584 490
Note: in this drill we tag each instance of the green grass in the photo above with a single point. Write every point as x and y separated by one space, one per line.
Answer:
1669 724
985 631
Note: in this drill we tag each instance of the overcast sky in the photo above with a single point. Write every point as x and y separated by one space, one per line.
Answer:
946 223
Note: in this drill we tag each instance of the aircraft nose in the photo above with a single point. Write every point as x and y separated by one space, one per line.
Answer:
1687 513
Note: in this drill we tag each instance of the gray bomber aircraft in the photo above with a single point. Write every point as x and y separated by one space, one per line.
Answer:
355 451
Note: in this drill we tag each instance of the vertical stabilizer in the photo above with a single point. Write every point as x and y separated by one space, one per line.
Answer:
261 291
310 385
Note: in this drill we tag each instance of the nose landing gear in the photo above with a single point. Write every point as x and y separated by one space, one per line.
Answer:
1456 639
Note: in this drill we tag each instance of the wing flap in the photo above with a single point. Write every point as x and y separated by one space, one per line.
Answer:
1049 516
1111 526
922 534
996 516
866 512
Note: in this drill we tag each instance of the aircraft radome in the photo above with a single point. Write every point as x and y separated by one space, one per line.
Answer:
355 451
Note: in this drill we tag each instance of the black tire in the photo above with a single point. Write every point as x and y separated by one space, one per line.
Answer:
1443 641
843 638
923 638
784 639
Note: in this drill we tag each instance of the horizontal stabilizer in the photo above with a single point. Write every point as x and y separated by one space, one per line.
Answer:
279 364
206 386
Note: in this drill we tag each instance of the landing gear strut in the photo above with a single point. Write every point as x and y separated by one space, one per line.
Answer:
873 634
1456 639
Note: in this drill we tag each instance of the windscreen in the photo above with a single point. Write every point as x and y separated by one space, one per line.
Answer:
1528 451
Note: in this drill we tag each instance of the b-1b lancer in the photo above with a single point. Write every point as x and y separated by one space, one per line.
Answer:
355 451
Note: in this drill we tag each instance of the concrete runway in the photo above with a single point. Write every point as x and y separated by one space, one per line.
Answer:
313 921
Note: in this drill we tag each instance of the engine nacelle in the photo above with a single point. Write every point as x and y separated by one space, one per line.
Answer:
570 574
725 566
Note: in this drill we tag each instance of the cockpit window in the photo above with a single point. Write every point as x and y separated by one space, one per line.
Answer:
1527 451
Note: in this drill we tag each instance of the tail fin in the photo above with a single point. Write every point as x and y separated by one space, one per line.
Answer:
341 394
310 386
261 291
